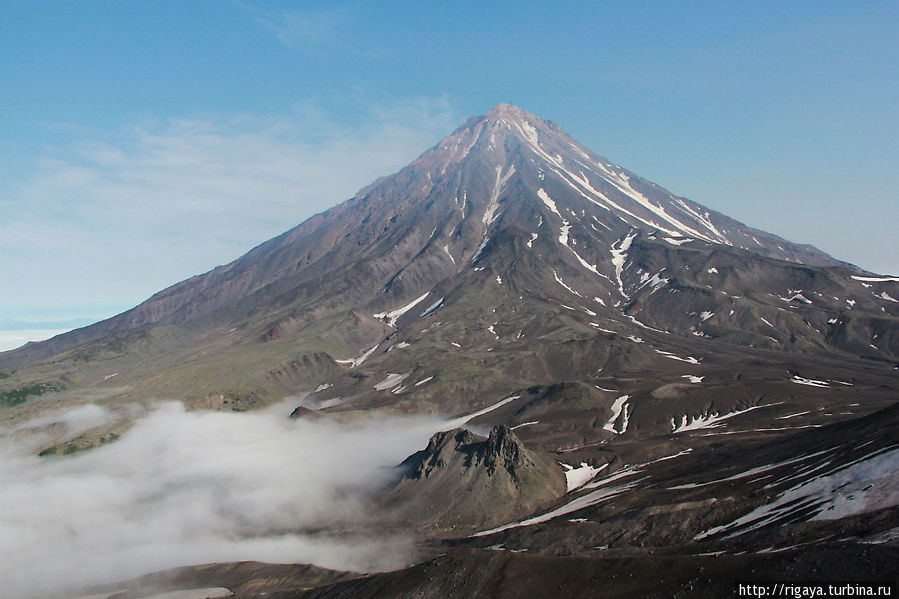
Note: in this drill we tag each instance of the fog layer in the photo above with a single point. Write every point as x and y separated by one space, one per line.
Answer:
195 487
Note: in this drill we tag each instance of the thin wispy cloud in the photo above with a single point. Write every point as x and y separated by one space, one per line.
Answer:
123 214
307 27
296 27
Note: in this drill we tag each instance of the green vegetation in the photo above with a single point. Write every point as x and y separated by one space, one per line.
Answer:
16 396
82 443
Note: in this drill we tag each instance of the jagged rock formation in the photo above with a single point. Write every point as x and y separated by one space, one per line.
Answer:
462 480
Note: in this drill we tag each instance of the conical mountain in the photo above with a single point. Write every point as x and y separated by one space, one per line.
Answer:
704 388
507 256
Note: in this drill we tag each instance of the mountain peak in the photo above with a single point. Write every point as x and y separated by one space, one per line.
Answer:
517 121
509 112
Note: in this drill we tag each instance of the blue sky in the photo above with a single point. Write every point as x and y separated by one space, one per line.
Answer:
144 142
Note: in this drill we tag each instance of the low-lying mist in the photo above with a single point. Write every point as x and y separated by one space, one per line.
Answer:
184 488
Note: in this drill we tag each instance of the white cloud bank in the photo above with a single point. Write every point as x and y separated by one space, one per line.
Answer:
186 487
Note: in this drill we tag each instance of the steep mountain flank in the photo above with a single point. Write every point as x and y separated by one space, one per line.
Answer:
508 237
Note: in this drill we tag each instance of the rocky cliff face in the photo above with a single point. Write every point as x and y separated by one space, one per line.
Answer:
462 480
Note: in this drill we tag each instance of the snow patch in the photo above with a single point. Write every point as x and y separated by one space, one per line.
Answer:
393 379
529 131
688 359
876 279
678 241
619 255
619 406
457 422
549 202
788 416
562 283
392 316
490 214
580 476
446 249
353 362
809 382
710 420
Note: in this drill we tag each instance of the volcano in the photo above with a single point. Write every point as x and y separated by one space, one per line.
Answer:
702 384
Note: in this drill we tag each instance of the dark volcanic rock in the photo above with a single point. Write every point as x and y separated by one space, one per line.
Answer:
463 479
304 413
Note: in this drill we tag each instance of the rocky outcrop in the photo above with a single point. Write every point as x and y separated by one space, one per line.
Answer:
464 480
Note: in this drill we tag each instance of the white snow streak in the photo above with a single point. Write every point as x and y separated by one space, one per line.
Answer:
457 422
490 214
618 407
353 362
549 202
710 420
688 359
562 283
876 279
392 316
619 255
810 382
446 249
